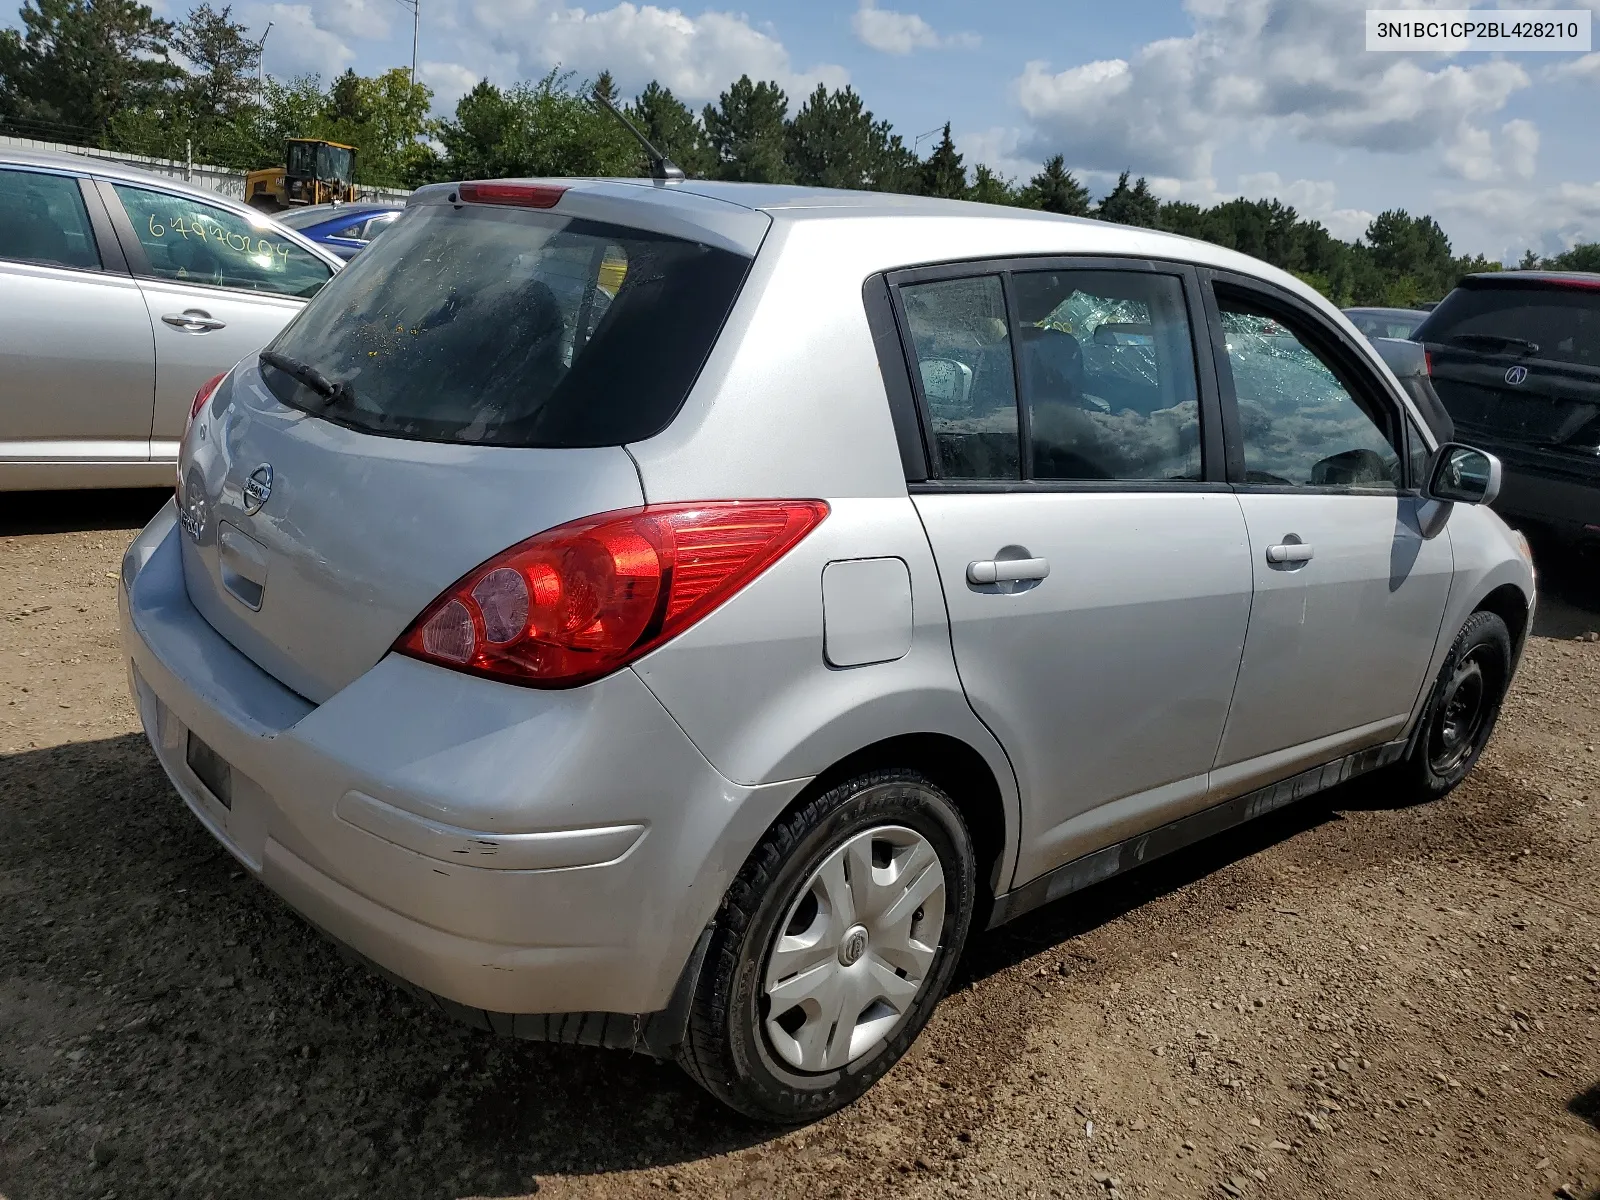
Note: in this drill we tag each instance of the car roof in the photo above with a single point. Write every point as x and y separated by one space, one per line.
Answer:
705 199
113 169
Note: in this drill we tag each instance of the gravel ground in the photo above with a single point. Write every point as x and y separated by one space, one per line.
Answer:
1346 999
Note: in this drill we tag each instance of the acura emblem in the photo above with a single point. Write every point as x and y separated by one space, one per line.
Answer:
257 488
1516 376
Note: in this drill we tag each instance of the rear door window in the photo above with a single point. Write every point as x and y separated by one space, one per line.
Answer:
504 326
1108 375
188 241
43 220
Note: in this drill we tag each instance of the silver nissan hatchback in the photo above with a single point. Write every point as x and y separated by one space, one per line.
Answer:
680 615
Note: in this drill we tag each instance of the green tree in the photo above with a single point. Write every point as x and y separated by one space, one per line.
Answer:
546 128
606 87
989 188
673 129
1055 189
76 64
1413 255
1585 256
833 141
1530 260
943 174
746 131
1136 205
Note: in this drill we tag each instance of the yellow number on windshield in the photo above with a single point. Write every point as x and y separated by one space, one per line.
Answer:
156 230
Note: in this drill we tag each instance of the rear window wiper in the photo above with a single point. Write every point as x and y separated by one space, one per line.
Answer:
333 393
1495 341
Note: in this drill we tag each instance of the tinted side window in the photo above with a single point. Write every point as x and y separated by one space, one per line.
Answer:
188 241
959 336
1298 423
43 220
1108 375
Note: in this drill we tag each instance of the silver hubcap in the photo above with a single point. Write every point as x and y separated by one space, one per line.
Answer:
854 949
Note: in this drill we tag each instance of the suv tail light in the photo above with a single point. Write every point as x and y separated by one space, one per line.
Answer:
579 601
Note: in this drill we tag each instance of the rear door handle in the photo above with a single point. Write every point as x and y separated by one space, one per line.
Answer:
1007 570
194 320
1289 552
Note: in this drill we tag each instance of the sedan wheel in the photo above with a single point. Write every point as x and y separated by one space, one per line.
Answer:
855 949
832 947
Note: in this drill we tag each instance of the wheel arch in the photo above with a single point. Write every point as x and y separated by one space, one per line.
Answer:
959 770
1509 604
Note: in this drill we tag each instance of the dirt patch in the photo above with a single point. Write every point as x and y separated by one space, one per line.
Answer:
1344 999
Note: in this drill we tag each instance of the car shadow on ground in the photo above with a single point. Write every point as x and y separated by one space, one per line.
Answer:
208 1040
75 512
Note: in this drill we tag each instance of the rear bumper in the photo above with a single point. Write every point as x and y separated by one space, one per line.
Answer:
510 850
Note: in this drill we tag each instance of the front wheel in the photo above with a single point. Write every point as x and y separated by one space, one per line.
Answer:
1462 709
832 948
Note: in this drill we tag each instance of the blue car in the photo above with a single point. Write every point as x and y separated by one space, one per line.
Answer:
343 228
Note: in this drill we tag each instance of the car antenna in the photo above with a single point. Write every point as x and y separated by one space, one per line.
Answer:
661 167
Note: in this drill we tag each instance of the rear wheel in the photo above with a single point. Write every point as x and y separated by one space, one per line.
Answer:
1462 710
832 948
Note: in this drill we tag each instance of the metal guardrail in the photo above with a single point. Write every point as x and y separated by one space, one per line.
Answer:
222 180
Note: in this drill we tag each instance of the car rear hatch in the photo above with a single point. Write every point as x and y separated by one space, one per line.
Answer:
1516 361
469 381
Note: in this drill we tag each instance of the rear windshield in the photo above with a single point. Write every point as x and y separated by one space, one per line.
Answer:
500 326
1563 322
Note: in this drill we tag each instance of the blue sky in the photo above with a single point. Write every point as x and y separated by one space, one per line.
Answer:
1210 98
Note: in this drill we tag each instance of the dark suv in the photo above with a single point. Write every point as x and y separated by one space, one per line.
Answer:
1515 356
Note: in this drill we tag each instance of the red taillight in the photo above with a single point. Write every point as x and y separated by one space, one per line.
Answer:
1427 362
207 390
520 195
581 600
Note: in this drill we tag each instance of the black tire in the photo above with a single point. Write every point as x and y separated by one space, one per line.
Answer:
1461 712
727 1049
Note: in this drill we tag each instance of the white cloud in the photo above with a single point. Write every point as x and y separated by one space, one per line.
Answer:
998 149
299 45
1313 199
357 18
1254 69
1504 221
449 80
1586 68
697 57
1474 155
901 33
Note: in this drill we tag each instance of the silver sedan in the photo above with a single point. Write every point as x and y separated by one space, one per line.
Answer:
123 294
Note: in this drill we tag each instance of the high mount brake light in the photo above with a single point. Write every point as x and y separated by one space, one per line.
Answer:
577 602
517 195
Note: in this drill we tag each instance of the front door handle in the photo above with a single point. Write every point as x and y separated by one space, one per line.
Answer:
194 320
1289 552
1007 570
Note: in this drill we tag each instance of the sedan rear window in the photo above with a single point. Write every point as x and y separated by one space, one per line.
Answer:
1560 324
500 326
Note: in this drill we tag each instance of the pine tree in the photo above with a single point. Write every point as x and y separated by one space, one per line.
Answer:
674 130
605 87
833 141
989 188
943 174
1056 190
746 131
77 64
1136 205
